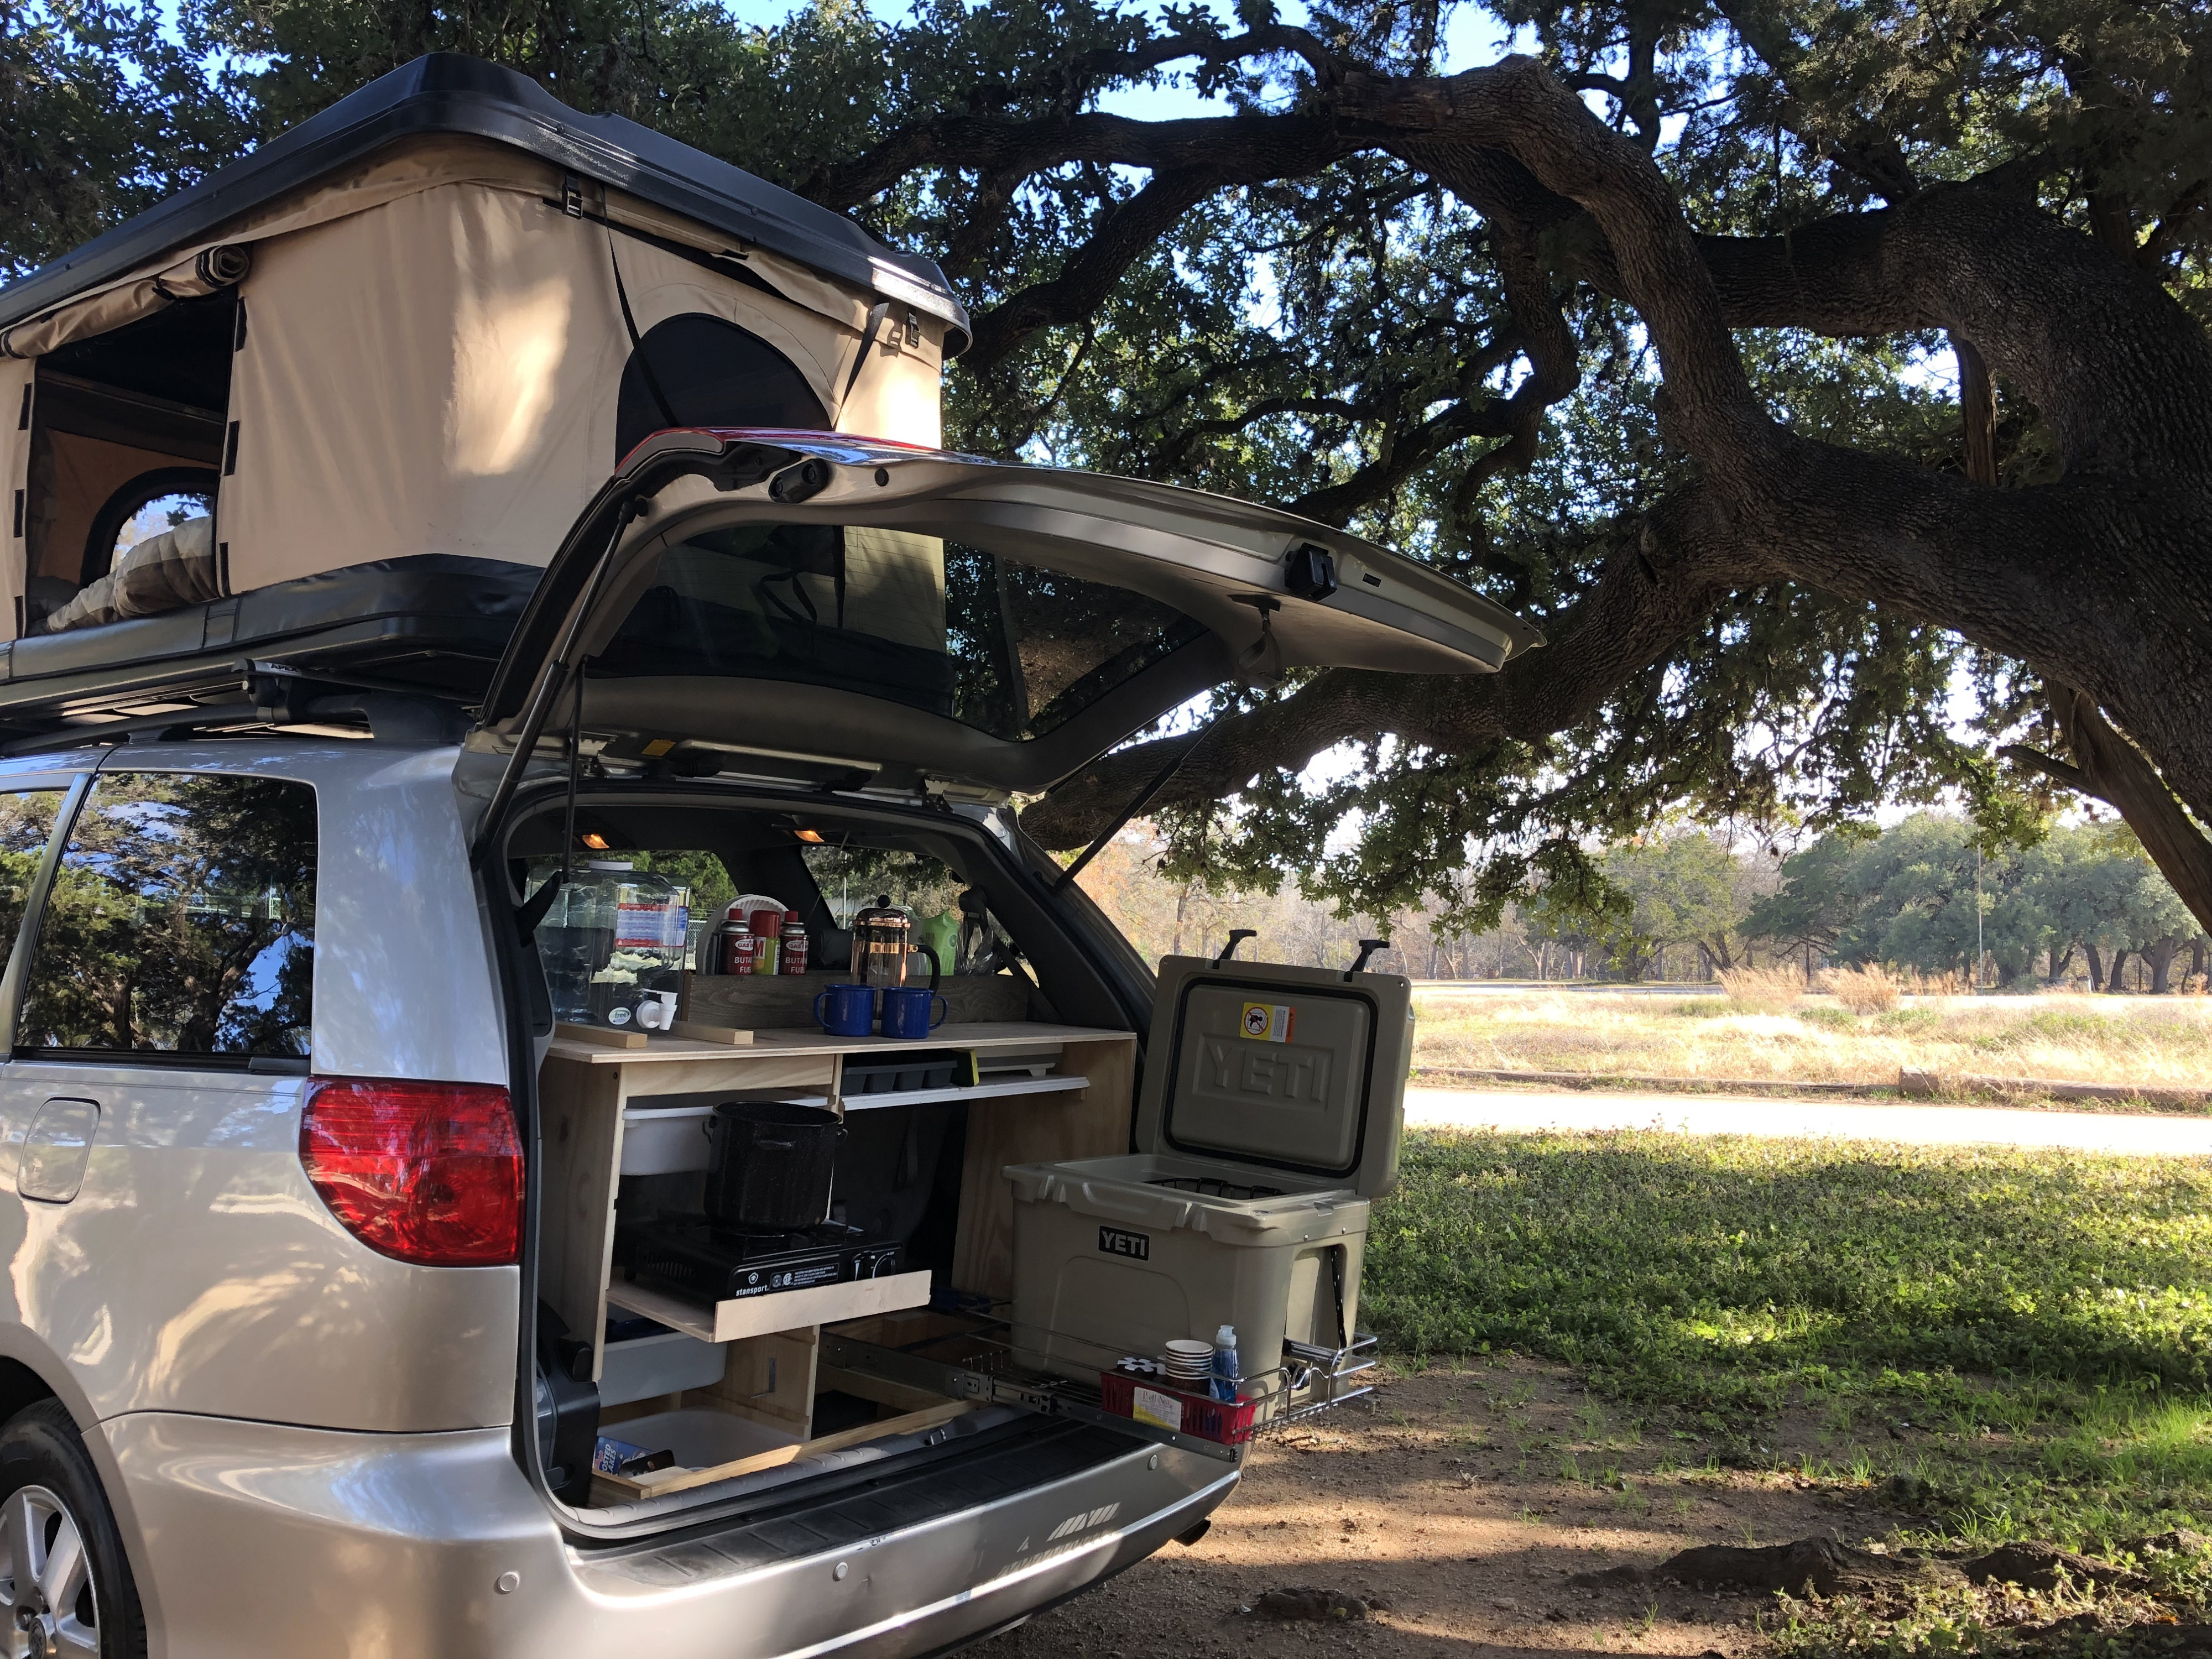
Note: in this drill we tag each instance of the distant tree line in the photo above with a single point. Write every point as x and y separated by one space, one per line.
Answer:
2082 904
2083 901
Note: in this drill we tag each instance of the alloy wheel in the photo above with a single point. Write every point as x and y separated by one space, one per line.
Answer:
47 1595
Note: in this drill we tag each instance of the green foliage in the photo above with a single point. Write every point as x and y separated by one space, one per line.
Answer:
1690 1267
1908 896
1336 338
2063 1299
1686 889
103 113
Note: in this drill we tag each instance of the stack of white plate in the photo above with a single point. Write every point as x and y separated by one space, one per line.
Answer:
1189 1361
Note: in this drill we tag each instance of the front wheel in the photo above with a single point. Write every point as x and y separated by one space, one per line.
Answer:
65 1587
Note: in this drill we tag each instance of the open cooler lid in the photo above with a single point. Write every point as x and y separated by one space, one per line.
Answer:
1301 1069
920 615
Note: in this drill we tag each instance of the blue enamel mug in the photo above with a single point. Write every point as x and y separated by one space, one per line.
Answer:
912 1012
850 1010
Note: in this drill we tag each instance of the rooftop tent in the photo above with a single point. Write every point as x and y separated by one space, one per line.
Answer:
422 326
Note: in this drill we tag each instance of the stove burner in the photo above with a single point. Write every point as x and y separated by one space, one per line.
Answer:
689 1253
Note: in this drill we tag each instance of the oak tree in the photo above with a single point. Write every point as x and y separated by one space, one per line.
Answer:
1828 379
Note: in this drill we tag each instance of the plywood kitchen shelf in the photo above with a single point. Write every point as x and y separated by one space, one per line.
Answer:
658 1050
1082 1111
778 1310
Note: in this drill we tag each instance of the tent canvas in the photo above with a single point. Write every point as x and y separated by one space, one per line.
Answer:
415 334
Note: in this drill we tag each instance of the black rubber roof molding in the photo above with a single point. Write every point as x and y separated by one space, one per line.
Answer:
449 92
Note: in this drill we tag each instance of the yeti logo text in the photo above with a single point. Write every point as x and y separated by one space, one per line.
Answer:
1290 1073
1115 1241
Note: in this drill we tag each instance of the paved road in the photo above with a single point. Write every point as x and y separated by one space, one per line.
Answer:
1533 1108
1522 987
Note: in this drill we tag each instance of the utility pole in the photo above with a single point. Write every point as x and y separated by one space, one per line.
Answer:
1978 957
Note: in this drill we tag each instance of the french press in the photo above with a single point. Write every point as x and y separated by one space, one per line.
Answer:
884 947
882 934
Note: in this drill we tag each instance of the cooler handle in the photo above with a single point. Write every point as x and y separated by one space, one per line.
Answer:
1128 1210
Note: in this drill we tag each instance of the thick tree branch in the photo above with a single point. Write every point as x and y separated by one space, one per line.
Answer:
1243 149
2122 375
1125 233
2114 771
1648 597
2050 765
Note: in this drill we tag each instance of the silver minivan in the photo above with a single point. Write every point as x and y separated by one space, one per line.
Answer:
315 1331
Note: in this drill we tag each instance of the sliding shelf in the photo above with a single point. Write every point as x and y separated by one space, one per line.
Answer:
778 1310
1001 1091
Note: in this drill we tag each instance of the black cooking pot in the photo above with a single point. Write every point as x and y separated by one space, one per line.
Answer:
771 1163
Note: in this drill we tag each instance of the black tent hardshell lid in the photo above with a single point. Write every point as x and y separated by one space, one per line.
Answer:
421 326
448 93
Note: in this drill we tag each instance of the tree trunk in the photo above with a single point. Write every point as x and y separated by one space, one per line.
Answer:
2059 961
1977 412
2196 957
2114 981
2158 957
2096 966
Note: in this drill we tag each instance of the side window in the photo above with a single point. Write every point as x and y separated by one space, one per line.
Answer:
26 824
181 921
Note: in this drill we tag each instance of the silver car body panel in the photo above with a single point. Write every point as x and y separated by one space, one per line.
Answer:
196 1269
262 1541
309 1445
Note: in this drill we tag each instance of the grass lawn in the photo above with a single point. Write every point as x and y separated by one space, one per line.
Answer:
2152 1041
2019 1341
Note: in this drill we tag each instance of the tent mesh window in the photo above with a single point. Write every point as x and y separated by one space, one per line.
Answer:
132 418
709 372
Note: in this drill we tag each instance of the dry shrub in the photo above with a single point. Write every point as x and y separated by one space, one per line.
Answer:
1763 987
2196 985
1868 990
1948 984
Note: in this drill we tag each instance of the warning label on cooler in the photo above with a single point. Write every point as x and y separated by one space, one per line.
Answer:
1268 1022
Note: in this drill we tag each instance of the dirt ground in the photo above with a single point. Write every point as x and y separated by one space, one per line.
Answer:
1461 1505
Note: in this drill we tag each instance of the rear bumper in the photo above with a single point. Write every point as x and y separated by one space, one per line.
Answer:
253 1539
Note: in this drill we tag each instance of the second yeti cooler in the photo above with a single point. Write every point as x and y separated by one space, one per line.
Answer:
1270 1113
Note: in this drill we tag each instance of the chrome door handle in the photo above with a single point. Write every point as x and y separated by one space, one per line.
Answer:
51 1168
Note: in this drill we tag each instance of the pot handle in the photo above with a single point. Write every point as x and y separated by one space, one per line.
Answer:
936 971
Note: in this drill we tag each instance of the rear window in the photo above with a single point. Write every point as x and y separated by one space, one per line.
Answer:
1011 648
181 921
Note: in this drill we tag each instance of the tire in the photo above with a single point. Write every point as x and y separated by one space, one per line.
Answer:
58 1543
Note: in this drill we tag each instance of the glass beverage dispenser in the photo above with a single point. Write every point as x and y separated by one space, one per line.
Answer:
614 936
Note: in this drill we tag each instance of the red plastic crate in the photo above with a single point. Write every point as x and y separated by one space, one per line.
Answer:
1201 1414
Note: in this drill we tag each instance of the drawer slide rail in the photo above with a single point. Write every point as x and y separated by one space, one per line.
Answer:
983 1366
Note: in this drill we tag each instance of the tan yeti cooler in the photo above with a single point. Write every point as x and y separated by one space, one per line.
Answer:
1270 1113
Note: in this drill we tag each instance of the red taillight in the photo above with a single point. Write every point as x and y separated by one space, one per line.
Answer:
427 1172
